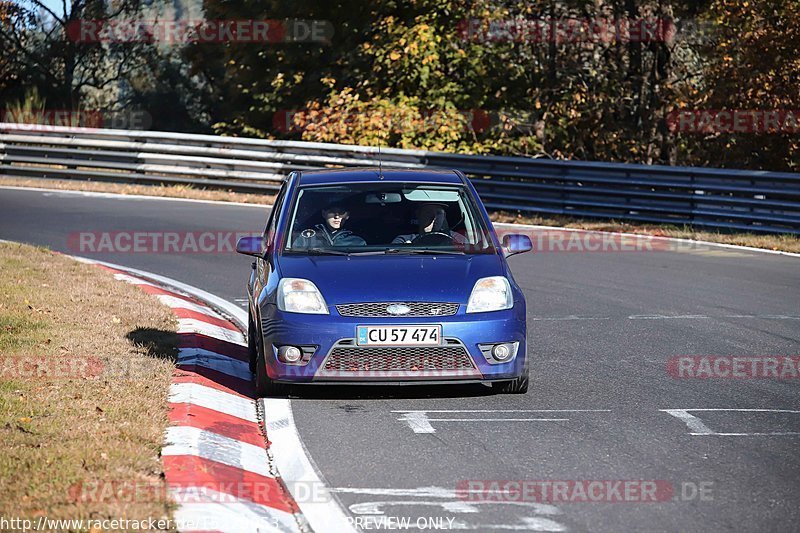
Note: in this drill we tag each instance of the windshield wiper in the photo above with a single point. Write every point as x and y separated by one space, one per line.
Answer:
389 251
421 251
371 252
325 251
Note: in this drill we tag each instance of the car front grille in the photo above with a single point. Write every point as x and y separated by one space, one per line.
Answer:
347 361
380 309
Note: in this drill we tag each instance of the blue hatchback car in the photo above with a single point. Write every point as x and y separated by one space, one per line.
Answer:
384 277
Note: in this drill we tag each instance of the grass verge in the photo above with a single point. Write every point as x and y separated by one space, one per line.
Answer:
785 243
85 366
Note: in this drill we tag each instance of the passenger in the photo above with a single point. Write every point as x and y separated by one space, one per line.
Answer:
431 218
331 233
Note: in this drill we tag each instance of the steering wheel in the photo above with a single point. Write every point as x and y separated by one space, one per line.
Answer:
434 238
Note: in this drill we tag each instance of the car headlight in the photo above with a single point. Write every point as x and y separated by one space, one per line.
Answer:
490 294
300 296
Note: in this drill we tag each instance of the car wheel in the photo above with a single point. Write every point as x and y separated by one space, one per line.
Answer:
252 349
265 386
515 386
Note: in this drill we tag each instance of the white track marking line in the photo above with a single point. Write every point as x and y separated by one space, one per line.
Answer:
668 317
221 514
214 361
503 411
711 317
191 325
568 318
185 440
698 428
695 425
499 419
420 422
443 493
741 410
765 317
173 302
448 501
132 280
375 508
298 471
421 492
216 400
756 434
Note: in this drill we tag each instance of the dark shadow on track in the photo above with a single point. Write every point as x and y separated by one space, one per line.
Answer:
386 392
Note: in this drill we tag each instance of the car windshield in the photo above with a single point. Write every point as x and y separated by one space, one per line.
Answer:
386 218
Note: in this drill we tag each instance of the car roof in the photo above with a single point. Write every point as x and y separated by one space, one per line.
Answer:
350 175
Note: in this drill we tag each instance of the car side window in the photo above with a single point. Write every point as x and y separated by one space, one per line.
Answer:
469 224
272 221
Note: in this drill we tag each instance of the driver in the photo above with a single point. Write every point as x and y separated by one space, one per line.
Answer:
331 233
431 218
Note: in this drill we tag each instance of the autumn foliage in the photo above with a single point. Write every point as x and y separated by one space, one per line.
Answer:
567 79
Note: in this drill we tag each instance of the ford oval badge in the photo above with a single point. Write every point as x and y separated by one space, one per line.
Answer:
398 309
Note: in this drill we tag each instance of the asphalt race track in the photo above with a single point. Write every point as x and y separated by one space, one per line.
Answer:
602 327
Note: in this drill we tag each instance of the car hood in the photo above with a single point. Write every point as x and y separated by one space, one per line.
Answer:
441 278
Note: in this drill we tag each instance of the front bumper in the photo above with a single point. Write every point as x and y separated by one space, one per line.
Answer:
337 359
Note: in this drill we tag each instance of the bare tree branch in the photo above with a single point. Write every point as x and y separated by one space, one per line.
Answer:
50 11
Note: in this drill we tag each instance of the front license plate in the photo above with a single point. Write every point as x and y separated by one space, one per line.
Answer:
398 335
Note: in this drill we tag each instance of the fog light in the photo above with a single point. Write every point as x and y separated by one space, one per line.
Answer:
290 354
501 352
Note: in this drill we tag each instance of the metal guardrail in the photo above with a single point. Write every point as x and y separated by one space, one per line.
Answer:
714 198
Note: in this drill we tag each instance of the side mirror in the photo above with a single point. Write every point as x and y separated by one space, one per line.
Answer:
515 243
251 246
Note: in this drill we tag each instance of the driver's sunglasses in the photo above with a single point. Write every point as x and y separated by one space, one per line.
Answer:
336 213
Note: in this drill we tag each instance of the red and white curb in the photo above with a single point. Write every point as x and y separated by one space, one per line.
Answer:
215 456
216 443
316 507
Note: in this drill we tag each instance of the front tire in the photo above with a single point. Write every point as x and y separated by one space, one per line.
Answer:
515 386
252 348
265 386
